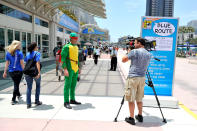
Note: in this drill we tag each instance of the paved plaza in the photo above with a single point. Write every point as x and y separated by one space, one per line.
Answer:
100 92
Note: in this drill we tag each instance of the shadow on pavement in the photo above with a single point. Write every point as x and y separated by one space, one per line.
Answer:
2 99
21 101
84 80
151 121
43 107
83 106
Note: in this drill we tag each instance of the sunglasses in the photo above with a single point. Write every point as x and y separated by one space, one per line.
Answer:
74 38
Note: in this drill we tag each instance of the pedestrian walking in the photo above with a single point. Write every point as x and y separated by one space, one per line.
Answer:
85 53
113 59
59 62
134 90
33 54
15 63
89 51
81 59
96 54
70 65
55 50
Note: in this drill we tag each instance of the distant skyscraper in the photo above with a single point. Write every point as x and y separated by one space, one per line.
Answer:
160 8
193 24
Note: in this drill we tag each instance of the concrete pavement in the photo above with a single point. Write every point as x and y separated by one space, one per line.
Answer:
100 92
96 112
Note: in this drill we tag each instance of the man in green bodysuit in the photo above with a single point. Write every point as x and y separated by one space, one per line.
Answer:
70 64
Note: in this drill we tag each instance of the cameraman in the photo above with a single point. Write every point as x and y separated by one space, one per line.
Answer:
134 90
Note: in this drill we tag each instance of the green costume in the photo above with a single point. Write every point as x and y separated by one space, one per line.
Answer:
69 57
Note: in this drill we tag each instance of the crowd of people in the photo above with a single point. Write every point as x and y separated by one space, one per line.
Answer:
69 60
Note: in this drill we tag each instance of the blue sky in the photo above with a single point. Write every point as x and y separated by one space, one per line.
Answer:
124 16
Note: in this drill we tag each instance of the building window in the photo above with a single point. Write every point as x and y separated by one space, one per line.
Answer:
17 35
41 22
38 41
28 38
24 41
68 32
59 39
59 29
45 46
2 45
15 13
10 36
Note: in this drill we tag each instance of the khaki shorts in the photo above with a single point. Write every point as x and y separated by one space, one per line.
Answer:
134 89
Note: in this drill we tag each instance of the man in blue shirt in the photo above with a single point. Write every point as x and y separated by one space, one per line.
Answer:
135 83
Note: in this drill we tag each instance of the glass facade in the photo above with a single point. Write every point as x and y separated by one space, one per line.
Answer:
59 29
15 13
68 32
2 45
38 41
160 8
10 33
28 39
17 35
24 41
41 22
45 46
10 36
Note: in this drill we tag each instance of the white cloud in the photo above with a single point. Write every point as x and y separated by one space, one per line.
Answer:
134 5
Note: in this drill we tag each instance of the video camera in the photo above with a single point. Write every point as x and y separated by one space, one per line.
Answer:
149 45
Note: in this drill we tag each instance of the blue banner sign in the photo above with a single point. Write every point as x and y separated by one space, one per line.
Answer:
164 31
92 31
69 23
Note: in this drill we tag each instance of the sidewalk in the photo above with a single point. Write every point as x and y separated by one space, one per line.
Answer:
100 92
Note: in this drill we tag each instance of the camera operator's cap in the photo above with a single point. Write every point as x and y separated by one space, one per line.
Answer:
73 36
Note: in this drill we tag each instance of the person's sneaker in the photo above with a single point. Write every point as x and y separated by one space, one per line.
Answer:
28 106
14 102
130 120
139 118
38 103
67 105
75 102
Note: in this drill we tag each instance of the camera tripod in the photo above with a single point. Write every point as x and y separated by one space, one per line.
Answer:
150 84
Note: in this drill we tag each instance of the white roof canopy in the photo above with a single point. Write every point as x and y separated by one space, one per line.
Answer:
94 7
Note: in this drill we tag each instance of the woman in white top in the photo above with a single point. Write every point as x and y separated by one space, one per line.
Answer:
96 55
113 59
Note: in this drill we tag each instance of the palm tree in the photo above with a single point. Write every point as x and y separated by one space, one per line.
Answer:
186 29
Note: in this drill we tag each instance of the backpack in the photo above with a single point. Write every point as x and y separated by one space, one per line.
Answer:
31 68
58 55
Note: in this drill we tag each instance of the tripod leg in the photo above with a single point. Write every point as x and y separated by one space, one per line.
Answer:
150 83
164 120
122 102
